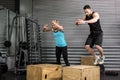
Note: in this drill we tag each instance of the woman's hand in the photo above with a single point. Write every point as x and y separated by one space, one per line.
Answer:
45 27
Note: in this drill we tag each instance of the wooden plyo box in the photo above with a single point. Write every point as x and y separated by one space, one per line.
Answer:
81 72
44 72
87 60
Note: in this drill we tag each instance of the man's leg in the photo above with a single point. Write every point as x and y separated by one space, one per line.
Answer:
98 45
90 50
99 48
89 47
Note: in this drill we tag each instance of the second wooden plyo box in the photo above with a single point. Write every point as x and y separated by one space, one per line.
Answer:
81 72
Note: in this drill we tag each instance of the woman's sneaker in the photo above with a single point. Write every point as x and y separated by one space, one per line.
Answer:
102 60
96 60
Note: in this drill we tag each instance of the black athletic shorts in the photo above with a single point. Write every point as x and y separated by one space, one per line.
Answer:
94 39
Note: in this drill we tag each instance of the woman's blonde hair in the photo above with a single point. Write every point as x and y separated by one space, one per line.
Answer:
56 21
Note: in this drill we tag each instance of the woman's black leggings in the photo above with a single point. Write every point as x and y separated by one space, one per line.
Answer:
59 51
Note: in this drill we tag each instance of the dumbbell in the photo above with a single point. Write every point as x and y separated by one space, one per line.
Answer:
111 73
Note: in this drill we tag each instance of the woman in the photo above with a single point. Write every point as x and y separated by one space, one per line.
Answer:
60 43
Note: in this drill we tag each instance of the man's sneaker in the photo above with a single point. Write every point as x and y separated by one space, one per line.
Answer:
96 60
102 60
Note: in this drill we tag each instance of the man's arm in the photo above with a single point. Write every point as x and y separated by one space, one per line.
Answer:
95 18
78 21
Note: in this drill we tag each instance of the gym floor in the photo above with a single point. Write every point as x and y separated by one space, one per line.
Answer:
11 76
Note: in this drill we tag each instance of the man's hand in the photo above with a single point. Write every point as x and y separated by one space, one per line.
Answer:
80 21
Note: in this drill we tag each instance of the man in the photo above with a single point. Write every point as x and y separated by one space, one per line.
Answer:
96 34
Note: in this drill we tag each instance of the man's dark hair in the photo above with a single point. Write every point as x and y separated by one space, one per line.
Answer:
86 7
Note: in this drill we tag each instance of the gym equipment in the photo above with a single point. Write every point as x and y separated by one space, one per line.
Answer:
23 45
3 68
19 28
34 41
20 61
7 43
0 54
111 73
102 68
27 43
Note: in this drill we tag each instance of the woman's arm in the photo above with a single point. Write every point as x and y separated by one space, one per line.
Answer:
57 25
46 28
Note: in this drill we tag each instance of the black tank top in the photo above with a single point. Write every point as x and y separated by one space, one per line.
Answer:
95 28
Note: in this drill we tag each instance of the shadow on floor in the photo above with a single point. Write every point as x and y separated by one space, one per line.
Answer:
12 76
